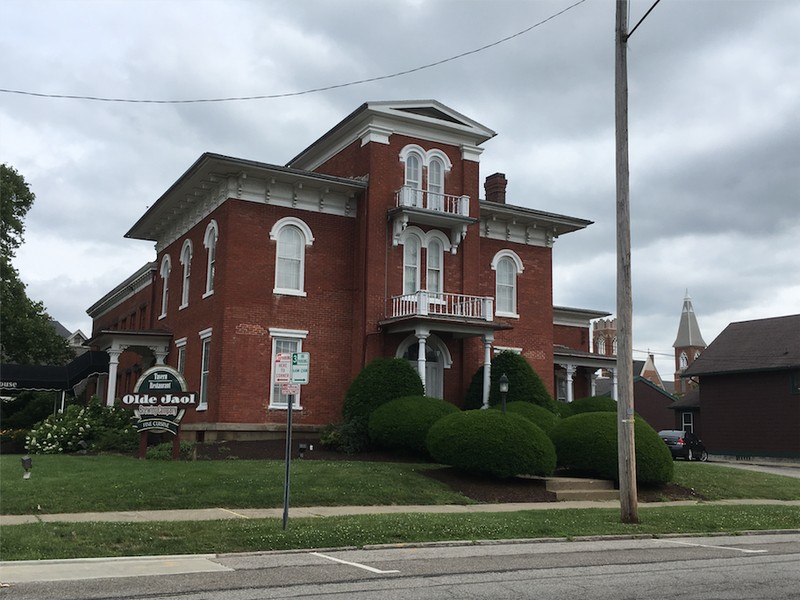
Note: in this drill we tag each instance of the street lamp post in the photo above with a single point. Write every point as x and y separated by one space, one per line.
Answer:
503 390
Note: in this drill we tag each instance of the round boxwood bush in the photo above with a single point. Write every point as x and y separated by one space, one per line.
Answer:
492 443
538 415
587 443
381 380
524 384
403 423
589 404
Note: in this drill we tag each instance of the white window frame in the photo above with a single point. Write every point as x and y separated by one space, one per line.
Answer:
180 360
436 184
510 258
166 268
683 361
687 422
210 242
306 240
411 264
205 367
277 400
186 261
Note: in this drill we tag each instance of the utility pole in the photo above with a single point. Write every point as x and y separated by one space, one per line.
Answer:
625 414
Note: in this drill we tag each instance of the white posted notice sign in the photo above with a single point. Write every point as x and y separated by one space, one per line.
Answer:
283 367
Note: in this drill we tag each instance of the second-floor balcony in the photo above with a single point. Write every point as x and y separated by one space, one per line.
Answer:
424 207
438 304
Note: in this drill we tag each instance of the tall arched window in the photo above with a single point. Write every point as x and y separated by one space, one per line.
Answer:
411 256
507 266
683 361
292 236
436 184
186 261
166 267
210 242
601 345
433 281
413 180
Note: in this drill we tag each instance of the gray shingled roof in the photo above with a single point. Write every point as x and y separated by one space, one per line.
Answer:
760 345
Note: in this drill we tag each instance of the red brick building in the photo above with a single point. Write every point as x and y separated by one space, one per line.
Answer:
371 242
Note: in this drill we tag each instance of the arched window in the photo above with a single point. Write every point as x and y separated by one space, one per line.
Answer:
292 236
186 261
166 267
601 345
614 346
210 242
433 282
436 184
683 361
413 180
507 266
411 260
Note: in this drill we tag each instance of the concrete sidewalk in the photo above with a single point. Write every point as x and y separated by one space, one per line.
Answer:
216 514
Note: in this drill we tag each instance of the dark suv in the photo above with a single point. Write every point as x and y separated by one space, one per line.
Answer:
683 444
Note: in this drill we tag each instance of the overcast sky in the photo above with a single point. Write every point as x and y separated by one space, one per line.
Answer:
714 129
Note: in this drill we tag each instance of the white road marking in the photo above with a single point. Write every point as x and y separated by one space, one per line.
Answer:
353 564
744 550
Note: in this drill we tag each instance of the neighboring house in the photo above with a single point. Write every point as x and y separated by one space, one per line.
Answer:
749 383
686 411
76 340
372 242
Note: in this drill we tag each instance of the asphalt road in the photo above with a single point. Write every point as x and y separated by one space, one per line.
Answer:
761 566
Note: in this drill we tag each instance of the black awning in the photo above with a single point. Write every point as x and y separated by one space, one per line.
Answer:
42 378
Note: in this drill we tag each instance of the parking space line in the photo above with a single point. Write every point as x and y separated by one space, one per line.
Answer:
353 564
744 550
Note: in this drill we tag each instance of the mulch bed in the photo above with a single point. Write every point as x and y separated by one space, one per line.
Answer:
479 488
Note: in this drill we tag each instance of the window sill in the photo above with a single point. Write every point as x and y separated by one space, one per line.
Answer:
208 293
182 306
162 316
506 315
284 407
285 292
201 407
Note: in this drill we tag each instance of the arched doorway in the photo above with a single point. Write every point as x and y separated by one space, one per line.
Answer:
437 358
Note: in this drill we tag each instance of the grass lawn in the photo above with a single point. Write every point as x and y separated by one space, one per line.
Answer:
102 483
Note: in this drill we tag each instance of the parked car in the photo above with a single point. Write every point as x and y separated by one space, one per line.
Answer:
683 444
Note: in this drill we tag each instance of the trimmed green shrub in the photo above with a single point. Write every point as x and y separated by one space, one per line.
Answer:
381 380
588 404
491 443
163 451
524 384
403 423
587 443
538 415
351 437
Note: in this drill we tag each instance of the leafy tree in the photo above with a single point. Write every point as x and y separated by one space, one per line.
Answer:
26 335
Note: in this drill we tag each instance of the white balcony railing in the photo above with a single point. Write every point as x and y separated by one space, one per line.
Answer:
443 203
425 304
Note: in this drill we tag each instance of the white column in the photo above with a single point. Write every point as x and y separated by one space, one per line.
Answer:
570 379
614 391
487 368
113 362
593 383
160 353
421 355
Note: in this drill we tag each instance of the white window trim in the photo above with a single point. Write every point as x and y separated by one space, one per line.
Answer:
186 261
166 269
204 335
210 242
276 333
305 231
419 237
180 345
499 349
519 268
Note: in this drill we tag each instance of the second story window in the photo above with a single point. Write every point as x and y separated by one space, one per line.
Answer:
434 275
507 266
166 267
292 236
210 242
186 261
411 256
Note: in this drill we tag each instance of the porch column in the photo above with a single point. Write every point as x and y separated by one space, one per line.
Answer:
160 352
422 335
593 383
570 381
113 363
487 367
614 392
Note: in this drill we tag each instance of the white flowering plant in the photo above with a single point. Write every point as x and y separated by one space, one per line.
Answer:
84 428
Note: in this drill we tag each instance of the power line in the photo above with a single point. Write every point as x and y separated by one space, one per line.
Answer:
301 93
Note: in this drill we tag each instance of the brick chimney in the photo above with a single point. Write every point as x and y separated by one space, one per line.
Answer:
495 187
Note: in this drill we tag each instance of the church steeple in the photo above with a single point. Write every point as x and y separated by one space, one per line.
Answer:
688 344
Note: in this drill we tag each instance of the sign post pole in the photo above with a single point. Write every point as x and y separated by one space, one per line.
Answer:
288 462
291 374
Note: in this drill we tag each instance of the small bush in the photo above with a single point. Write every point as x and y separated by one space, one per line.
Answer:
589 404
350 438
492 443
403 423
164 451
538 415
524 384
587 443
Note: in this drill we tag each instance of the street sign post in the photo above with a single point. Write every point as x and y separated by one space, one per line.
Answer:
291 371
